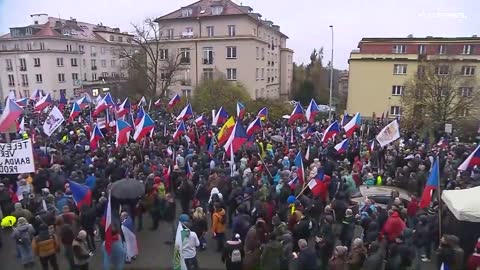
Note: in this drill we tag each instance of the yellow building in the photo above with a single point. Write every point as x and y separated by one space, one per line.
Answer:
380 67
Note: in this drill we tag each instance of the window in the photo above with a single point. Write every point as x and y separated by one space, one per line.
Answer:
42 46
466 91
84 76
399 69
207 55
442 49
421 49
163 75
258 53
185 56
73 61
114 75
129 40
263 74
187 92
103 63
189 30
231 74
11 80
217 10
74 76
397 90
187 12
112 38
102 50
16 46
467 49
29 46
94 76
395 110
120 39
104 75
231 52
23 64
39 78
231 30
8 62
113 63
69 47
207 74
163 54
399 49
81 48
61 77
468 70
210 31
442 70
169 33
257 74
263 53
60 62
93 51
93 64
122 75
24 80
26 93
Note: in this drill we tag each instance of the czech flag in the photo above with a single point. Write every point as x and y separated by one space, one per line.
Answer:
82 195
293 183
108 227
181 130
140 114
263 113
342 146
109 100
344 120
240 110
62 102
318 185
145 126
296 114
185 113
352 125
472 160
254 126
21 126
443 143
430 186
371 146
237 138
173 101
158 102
43 103
330 132
95 137
36 95
74 112
123 132
10 114
225 131
124 108
312 111
82 102
199 121
101 106
298 161
142 102
23 102
220 117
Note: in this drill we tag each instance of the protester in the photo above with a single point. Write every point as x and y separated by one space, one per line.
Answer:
115 258
46 247
81 253
23 235
232 254
130 240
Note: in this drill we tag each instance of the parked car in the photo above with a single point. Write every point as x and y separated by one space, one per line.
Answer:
381 195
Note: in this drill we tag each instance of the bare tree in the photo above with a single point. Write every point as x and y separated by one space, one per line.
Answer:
148 62
440 93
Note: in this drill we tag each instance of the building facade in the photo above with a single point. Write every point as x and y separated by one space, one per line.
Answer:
380 68
221 37
57 55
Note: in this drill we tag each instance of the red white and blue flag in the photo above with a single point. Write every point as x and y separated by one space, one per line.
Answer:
319 185
181 130
144 127
139 116
472 160
431 185
43 103
237 138
200 121
312 111
124 108
298 161
330 132
254 126
352 125
10 114
263 113
82 195
83 102
36 95
297 114
443 143
108 227
62 102
173 101
240 110
345 119
220 117
342 146
123 132
23 102
158 102
74 112
185 113
95 137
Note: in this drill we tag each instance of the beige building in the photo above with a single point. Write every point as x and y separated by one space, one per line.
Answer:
57 55
380 68
220 36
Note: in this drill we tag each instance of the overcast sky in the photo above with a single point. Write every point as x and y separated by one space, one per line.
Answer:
306 22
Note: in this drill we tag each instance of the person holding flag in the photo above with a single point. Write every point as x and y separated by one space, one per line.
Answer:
185 248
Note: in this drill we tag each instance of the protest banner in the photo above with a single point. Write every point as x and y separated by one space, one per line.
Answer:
16 157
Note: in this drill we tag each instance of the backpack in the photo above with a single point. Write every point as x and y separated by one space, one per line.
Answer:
236 256
23 237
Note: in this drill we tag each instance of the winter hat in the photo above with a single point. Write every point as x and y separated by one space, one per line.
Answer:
184 218
348 213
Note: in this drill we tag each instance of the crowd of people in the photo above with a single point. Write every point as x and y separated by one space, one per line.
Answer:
258 213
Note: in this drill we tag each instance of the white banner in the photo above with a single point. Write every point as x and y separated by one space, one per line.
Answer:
16 157
389 134
53 121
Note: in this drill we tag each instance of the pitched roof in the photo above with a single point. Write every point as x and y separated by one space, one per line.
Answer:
47 31
202 8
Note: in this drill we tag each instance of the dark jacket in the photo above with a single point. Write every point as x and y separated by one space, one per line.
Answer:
229 247
307 259
272 251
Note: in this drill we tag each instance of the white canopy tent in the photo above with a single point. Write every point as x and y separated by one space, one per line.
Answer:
463 203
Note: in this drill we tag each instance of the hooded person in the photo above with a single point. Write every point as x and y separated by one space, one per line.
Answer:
357 256
339 259
375 257
46 246
219 220
393 227
271 252
23 235
232 254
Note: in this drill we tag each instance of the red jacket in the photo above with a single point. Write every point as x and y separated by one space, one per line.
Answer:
412 208
394 227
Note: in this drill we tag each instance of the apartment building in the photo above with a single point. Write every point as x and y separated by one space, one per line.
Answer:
380 67
62 55
221 37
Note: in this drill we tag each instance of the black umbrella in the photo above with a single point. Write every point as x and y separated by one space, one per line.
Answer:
127 188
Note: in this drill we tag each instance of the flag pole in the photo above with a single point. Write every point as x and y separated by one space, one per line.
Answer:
439 198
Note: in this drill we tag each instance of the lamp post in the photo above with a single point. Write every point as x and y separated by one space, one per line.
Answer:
331 81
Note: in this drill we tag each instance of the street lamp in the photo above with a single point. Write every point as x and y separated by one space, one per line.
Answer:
331 81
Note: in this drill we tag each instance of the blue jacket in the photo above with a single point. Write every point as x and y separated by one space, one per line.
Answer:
116 260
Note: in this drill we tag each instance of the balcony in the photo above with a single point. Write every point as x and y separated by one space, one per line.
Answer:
186 82
185 60
94 67
187 35
208 61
